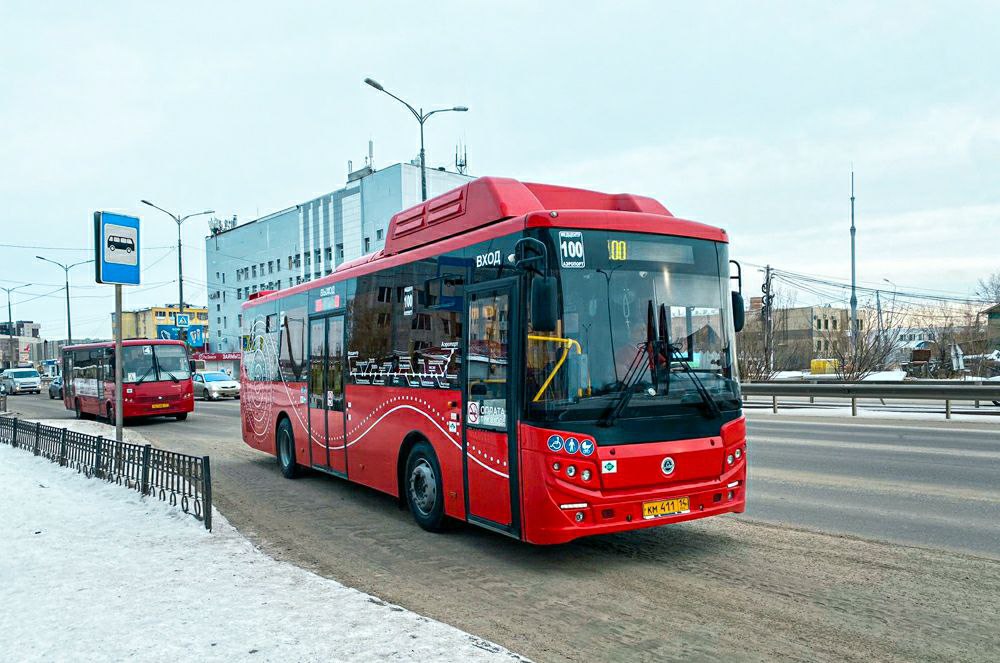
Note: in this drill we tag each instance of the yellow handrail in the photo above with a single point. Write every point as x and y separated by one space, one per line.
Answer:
568 343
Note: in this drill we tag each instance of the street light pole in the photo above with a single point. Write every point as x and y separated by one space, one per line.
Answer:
10 322
854 283
66 268
180 259
421 117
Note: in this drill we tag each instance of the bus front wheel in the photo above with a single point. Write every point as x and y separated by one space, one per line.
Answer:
286 450
424 493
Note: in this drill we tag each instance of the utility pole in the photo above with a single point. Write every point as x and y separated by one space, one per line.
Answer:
854 281
181 333
767 317
66 268
10 325
421 117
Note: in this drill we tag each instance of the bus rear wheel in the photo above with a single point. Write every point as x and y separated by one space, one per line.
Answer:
286 450
424 492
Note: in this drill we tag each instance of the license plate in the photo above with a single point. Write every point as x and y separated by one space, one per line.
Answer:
160 406
662 508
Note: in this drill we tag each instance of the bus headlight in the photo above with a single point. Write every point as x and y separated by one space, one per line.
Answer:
729 459
571 471
585 475
738 453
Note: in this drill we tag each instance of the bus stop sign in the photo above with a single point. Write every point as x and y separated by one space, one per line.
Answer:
116 246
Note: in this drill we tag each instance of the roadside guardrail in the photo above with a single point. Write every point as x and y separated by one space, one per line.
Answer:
937 391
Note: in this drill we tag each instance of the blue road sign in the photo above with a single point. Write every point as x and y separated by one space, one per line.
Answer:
572 445
555 443
116 247
183 320
586 447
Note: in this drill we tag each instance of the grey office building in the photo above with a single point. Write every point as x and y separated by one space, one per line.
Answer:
307 241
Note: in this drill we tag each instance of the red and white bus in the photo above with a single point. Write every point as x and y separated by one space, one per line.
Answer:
543 361
156 379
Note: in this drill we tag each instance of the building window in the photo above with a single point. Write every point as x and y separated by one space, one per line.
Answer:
329 254
254 271
218 320
819 324
340 252
368 243
218 307
270 267
277 265
223 278
384 294
378 234
239 318
834 322
225 321
278 284
289 262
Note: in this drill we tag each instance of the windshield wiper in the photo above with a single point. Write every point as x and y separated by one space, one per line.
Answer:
645 356
172 376
143 376
711 406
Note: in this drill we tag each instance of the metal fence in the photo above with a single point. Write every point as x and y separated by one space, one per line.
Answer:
179 479
947 392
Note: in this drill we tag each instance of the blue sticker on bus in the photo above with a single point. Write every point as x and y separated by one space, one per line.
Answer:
572 445
586 447
555 443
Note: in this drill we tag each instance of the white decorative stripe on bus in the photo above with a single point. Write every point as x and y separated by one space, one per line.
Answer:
431 419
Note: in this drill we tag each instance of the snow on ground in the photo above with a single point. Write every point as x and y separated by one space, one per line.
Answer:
91 571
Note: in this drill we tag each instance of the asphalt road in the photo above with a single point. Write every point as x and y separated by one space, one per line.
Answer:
781 582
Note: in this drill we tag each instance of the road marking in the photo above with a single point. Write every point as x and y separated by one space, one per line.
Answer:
876 446
871 485
923 429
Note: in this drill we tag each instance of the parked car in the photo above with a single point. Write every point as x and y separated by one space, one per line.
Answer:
21 381
212 385
55 388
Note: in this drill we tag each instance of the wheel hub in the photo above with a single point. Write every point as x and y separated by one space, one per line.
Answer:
423 487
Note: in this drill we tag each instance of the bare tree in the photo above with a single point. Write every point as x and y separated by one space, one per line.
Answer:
876 342
989 288
951 326
751 344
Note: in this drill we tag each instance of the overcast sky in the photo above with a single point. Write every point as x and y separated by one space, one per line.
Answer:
746 118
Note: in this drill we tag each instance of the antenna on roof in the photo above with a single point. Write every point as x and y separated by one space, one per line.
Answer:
462 163
370 161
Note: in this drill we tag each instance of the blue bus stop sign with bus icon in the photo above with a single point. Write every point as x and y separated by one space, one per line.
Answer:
116 246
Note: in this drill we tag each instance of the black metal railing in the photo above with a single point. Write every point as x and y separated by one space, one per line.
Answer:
179 479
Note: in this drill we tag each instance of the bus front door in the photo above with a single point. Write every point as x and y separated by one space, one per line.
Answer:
490 446
327 450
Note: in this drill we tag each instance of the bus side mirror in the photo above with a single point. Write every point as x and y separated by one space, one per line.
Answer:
544 304
191 368
739 315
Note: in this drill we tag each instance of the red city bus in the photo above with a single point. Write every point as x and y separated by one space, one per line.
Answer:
543 361
156 379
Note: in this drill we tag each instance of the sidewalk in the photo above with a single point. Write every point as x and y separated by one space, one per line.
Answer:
93 572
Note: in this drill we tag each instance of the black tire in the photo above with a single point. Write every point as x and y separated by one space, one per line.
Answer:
51 397
236 397
110 412
285 443
997 403
422 484
181 416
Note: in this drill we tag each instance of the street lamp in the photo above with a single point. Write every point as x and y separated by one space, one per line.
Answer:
180 261
421 118
10 322
66 268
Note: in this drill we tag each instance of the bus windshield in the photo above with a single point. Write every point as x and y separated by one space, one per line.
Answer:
628 300
151 363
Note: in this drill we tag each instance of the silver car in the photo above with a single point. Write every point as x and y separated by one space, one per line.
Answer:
21 381
213 385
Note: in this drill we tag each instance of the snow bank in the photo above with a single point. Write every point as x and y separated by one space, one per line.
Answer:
758 411
91 571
